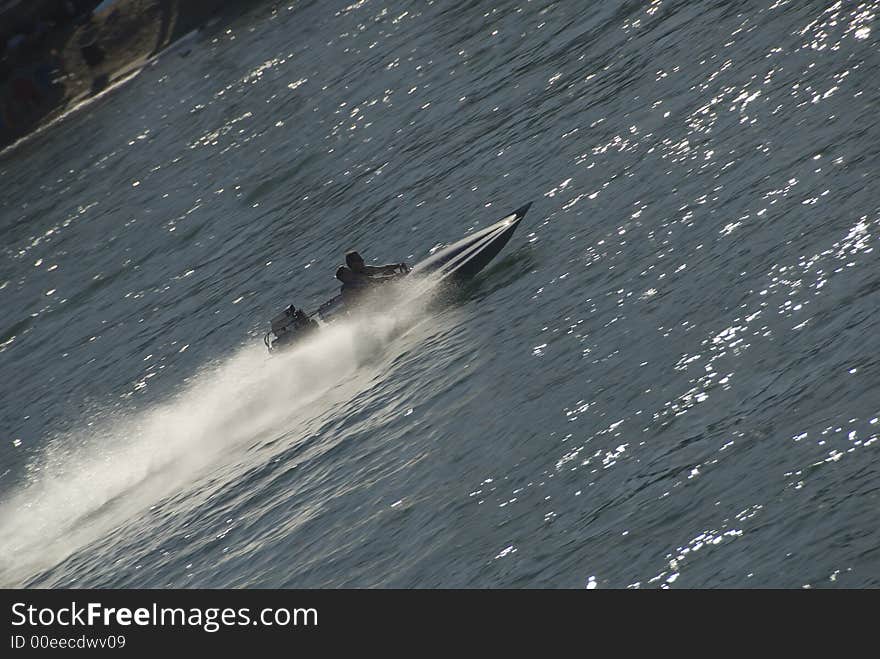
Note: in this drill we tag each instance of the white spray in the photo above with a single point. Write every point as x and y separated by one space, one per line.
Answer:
91 481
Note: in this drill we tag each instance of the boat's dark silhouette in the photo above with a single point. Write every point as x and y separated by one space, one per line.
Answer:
455 263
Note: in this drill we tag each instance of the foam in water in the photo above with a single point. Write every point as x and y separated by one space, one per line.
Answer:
90 481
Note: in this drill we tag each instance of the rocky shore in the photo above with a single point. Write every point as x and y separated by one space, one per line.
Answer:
57 54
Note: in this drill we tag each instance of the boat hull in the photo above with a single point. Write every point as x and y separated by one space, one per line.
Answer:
465 258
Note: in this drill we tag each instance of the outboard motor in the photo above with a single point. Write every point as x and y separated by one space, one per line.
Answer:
288 326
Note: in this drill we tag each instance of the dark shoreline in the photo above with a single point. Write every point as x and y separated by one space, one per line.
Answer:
76 60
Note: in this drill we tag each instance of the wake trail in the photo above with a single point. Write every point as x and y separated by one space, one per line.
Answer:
94 480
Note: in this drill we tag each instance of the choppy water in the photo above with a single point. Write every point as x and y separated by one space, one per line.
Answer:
669 379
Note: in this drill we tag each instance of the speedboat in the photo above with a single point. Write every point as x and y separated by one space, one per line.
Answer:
457 262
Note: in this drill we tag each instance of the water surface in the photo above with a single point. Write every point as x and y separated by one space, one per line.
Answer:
668 379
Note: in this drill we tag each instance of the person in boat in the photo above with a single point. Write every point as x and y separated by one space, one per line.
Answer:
353 285
356 263
357 277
